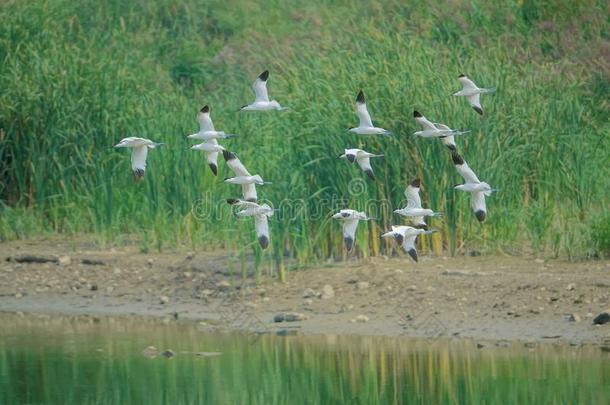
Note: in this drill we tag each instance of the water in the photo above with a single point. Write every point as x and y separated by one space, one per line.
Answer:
67 360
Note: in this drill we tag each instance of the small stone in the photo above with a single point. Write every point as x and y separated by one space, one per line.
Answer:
223 285
116 271
602 318
187 274
93 287
190 255
308 301
361 318
411 288
164 299
151 352
289 317
168 353
327 292
539 261
109 289
150 262
309 293
362 285
64 260
571 287
573 318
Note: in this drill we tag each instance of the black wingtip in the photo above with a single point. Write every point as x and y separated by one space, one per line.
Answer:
228 155
480 214
214 168
416 114
478 110
360 97
457 159
370 174
461 75
138 175
421 226
399 238
452 148
263 241
349 243
251 200
205 109
413 254
416 182
264 76
351 158
232 201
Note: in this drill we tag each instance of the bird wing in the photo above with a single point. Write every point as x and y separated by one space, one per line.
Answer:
365 164
418 221
238 167
261 225
413 199
425 123
477 201
463 169
349 228
409 246
249 191
475 101
138 157
467 84
260 89
205 122
363 115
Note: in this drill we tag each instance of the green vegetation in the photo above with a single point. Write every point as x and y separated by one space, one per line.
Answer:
76 77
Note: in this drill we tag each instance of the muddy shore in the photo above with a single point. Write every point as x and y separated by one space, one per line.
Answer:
485 298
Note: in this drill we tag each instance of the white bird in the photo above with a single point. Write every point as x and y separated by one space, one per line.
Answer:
405 236
472 93
432 130
242 180
243 176
350 220
261 97
365 127
478 190
261 213
449 140
363 158
139 152
414 210
209 135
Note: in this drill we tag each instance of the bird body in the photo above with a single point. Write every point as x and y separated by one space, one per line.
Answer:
208 147
261 213
261 96
478 189
241 180
242 175
414 210
432 130
363 158
472 93
365 126
139 152
405 236
209 135
350 219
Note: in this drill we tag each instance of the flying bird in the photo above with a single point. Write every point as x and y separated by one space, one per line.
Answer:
209 135
363 158
350 220
478 190
139 152
414 210
261 97
243 176
432 130
365 127
472 93
261 213
405 237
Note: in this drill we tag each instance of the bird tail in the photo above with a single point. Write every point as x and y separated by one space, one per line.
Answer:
489 90
230 135
437 214
430 231
462 132
387 133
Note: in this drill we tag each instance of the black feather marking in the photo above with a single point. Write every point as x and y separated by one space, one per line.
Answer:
399 238
264 241
416 182
416 114
452 148
457 159
264 76
345 214
214 168
205 109
228 155
251 200
351 158
421 226
480 214
349 243
413 253
477 109
461 75
360 98
232 201
370 173
138 174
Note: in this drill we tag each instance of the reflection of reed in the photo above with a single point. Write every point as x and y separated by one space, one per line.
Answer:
85 360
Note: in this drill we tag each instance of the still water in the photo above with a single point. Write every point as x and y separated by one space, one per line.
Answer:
68 360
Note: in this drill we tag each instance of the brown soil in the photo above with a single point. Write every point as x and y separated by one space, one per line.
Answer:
485 298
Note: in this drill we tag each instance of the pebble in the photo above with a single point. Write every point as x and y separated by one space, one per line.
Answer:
64 260
309 293
573 318
571 287
411 288
223 285
362 285
150 262
289 317
164 299
603 318
361 318
327 292
151 352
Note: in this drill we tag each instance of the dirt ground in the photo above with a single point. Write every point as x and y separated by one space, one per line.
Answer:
485 298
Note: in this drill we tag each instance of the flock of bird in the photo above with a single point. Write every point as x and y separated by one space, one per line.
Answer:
405 236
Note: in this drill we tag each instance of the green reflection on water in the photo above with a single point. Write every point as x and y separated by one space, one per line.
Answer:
83 360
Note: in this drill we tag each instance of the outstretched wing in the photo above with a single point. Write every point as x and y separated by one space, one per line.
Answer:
409 246
363 113
424 122
262 229
249 192
212 157
477 202
204 120
365 165
138 158
260 87
413 199
349 232
235 164
475 102
463 169
467 84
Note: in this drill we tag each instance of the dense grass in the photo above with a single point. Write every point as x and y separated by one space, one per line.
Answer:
76 78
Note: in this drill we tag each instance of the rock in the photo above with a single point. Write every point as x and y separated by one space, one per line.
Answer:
327 292
308 301
116 271
64 260
539 261
223 285
289 317
361 318
571 287
362 285
602 318
151 352
93 287
150 262
573 318
164 299
309 293
168 353
190 255
411 288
